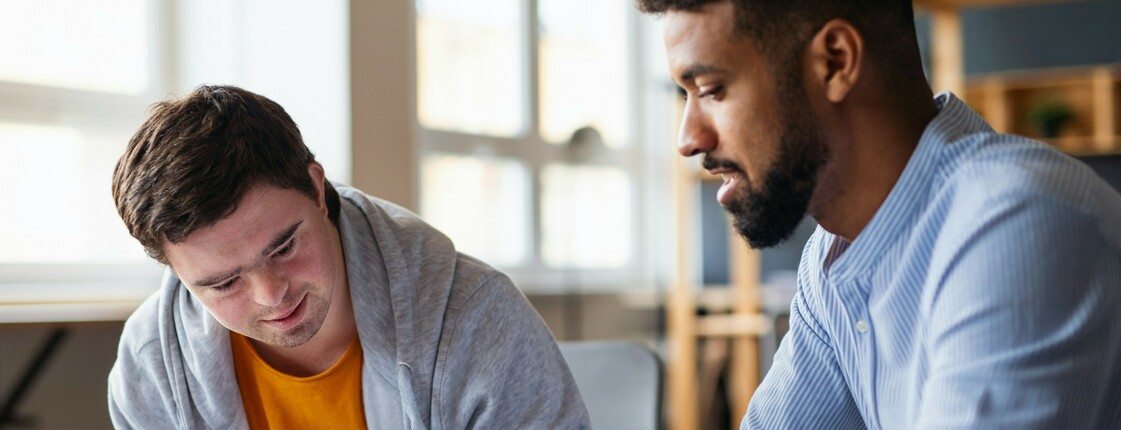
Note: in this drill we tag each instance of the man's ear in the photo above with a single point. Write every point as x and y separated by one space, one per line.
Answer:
315 171
836 54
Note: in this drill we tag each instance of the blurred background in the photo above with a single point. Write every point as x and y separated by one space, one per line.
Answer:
538 134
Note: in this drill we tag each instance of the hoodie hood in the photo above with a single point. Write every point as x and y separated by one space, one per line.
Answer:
418 264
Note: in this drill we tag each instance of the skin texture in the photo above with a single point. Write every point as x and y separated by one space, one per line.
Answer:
820 137
288 294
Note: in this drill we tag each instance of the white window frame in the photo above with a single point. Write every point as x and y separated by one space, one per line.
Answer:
529 148
85 109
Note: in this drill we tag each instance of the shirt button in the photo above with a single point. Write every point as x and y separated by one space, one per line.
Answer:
861 326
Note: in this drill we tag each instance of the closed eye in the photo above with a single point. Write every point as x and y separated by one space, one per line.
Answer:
713 92
286 249
224 286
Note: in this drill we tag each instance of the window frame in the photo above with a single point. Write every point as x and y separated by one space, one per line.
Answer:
44 105
535 153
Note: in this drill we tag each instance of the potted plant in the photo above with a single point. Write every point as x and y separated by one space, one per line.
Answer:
1049 117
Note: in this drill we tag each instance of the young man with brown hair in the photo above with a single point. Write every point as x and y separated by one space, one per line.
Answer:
959 278
292 302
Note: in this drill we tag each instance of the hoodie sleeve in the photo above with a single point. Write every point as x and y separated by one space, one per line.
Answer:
139 389
501 367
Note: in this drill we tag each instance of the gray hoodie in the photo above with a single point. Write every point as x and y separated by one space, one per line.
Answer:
447 341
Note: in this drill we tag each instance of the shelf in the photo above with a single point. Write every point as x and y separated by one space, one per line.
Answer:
947 48
733 325
1093 95
1085 145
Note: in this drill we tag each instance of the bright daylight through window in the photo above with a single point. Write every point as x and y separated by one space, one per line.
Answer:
499 96
67 108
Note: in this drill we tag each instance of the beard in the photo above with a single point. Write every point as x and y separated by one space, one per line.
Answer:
768 215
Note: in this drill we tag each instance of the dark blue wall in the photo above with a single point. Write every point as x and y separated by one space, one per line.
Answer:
1028 37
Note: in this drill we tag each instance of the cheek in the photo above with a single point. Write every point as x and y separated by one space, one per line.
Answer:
745 134
740 120
311 264
231 311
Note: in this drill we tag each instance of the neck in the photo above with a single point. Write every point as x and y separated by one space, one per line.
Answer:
870 156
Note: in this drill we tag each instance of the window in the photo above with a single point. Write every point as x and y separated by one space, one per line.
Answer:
527 131
96 46
467 53
482 205
76 78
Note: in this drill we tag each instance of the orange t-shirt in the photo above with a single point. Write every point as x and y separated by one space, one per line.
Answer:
276 400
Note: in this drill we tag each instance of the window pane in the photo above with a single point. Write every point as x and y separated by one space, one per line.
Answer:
470 66
58 205
584 68
481 203
89 45
586 216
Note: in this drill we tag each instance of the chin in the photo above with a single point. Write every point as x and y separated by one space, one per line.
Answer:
764 221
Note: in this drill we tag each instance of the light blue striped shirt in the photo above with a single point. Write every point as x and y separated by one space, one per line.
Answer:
984 293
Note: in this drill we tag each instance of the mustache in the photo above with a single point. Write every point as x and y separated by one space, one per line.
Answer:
711 163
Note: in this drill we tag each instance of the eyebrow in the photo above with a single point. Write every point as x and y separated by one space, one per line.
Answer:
696 70
276 242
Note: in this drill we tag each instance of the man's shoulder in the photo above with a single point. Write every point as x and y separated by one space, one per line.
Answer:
1018 193
1011 173
139 355
471 274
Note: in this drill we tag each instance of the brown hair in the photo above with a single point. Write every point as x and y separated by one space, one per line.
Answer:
781 29
192 161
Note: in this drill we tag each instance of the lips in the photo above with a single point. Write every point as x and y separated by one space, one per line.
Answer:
286 314
724 194
289 318
726 169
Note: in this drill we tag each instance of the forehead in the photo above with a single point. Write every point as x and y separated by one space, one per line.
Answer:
706 36
262 213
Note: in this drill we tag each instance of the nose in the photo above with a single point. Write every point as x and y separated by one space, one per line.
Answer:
696 135
269 288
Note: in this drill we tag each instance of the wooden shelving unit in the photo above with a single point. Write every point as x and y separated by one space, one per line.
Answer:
1093 95
947 47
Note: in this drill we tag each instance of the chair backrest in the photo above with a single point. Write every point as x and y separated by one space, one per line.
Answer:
621 383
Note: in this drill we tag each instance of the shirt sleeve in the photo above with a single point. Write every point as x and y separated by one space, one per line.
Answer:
503 368
805 388
1023 327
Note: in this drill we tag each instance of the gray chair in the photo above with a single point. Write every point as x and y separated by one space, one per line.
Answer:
621 383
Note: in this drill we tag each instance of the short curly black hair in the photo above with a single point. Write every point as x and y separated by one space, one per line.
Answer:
782 28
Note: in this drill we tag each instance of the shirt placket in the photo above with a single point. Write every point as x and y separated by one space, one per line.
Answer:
862 331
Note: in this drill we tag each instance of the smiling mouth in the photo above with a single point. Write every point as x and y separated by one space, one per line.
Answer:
729 171
724 194
291 313
286 314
